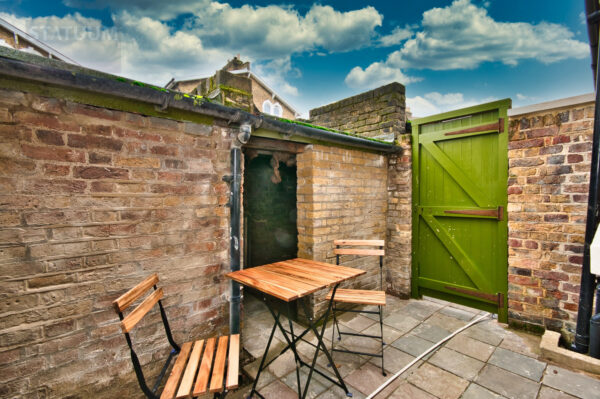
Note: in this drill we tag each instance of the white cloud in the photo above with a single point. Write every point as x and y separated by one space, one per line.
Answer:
274 31
274 74
434 103
376 74
138 48
463 36
397 36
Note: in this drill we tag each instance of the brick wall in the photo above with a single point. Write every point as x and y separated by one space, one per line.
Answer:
377 113
93 200
341 194
549 165
380 113
399 220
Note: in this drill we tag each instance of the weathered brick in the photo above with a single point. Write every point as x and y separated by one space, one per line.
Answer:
91 142
96 172
50 137
53 154
138 162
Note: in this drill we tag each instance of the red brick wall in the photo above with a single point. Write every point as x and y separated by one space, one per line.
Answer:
549 165
92 201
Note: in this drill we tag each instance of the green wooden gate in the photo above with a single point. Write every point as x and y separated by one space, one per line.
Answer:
460 165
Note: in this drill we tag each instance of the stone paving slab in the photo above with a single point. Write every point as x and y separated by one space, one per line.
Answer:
394 360
448 323
357 322
430 332
518 364
408 390
368 378
459 314
525 344
389 334
401 321
471 347
278 390
484 333
438 382
506 383
550 393
576 384
475 391
455 362
412 345
318 384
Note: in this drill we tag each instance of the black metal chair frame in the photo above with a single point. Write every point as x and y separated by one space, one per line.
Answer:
175 349
292 339
379 312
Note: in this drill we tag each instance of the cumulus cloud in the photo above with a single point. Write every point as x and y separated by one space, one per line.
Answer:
276 72
276 31
375 75
463 36
433 103
397 36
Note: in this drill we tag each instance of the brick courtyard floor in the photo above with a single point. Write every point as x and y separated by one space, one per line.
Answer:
487 360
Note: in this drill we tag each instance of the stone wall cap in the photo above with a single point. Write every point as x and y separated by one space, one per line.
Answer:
548 105
389 88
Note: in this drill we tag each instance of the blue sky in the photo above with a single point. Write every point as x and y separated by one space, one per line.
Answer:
448 54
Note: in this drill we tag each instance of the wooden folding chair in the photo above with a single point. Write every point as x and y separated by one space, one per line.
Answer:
360 297
189 376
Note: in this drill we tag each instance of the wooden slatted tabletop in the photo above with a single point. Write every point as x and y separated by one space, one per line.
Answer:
292 279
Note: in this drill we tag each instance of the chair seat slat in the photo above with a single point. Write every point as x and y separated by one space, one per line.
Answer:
185 388
358 297
366 243
175 376
216 381
233 362
358 251
205 367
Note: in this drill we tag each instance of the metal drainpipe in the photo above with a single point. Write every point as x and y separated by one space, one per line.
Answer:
234 206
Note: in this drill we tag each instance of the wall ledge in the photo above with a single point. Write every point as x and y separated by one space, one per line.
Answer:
548 105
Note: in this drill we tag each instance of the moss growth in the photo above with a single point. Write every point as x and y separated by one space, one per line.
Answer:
106 101
330 130
234 90
531 328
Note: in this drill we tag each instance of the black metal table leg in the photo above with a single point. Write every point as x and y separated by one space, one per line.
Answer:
321 344
291 344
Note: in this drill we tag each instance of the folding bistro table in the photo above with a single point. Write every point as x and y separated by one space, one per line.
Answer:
290 280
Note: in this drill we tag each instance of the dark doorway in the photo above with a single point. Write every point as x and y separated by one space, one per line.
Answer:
269 208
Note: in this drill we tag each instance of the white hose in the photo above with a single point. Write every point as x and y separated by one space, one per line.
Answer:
422 355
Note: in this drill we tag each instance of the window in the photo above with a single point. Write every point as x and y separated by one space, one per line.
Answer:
266 107
277 110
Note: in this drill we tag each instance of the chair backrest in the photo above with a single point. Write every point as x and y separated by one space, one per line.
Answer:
133 317
361 248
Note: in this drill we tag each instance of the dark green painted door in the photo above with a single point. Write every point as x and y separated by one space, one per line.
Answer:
269 211
460 166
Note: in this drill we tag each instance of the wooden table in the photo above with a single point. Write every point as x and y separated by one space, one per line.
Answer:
288 281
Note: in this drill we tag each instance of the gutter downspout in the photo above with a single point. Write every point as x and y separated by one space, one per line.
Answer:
235 182
234 248
588 280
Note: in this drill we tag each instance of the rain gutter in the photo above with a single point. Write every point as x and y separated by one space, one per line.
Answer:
164 99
